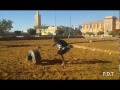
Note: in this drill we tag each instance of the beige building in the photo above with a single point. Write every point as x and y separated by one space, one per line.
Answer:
37 22
110 23
49 31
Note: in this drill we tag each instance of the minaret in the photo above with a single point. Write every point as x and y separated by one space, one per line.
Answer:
37 21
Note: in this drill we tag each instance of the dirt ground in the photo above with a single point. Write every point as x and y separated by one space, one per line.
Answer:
80 64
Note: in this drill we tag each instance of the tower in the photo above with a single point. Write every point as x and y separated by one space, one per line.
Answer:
37 22
109 24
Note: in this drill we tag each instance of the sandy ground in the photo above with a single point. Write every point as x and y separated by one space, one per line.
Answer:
80 64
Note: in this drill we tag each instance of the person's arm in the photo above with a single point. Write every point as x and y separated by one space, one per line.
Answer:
54 45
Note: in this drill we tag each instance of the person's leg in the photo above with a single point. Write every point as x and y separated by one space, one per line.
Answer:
60 53
63 61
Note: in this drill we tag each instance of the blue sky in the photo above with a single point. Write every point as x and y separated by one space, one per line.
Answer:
24 19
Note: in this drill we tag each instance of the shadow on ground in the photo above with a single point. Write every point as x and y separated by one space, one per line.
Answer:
93 40
104 40
57 61
93 61
50 62
8 46
78 42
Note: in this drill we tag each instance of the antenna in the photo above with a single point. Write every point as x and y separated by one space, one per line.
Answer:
114 13
64 27
55 18
55 24
70 25
119 19
119 43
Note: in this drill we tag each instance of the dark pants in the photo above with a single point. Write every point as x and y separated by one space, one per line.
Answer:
61 52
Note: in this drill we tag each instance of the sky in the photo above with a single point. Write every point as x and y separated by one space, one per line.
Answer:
24 19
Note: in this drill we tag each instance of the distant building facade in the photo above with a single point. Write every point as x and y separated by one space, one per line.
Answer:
110 23
49 31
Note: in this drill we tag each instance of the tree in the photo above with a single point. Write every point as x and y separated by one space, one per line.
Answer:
44 27
31 31
77 32
66 31
90 33
5 25
50 34
114 33
59 31
100 33
17 32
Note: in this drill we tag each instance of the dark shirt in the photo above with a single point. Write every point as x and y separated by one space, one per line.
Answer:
62 44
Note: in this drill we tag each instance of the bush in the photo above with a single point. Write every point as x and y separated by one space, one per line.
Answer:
114 33
100 33
90 33
31 31
18 32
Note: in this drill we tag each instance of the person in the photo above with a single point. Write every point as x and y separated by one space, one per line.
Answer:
63 47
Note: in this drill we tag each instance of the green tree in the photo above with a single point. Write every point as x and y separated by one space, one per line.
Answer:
50 34
75 32
90 33
100 33
5 25
44 27
17 32
59 32
78 32
114 33
72 31
66 31
31 31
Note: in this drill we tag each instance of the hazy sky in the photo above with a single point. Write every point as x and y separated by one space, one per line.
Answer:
24 19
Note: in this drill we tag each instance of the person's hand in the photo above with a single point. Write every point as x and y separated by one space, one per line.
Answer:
53 45
55 55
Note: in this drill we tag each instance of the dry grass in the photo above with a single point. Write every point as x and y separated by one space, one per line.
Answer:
81 64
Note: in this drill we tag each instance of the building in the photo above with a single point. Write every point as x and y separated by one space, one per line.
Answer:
37 22
48 31
110 23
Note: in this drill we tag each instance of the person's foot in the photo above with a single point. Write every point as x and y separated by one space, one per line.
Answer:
55 55
63 64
